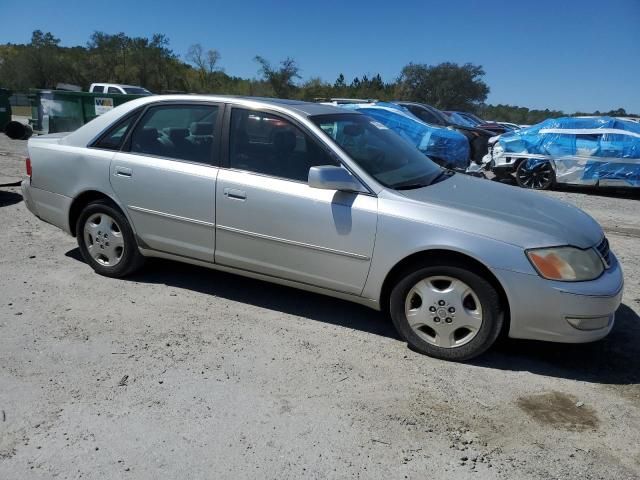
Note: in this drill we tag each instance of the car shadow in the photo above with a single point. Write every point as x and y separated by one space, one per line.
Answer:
9 198
630 193
261 294
613 360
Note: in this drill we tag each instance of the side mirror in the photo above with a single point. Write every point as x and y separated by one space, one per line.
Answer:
329 177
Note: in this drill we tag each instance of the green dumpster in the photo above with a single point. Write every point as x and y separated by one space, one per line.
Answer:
5 108
64 111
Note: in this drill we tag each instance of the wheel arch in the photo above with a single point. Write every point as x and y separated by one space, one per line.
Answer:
441 256
83 199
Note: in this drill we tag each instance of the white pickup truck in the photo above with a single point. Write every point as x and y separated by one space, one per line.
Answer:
118 88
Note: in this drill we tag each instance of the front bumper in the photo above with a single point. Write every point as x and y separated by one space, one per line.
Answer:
570 312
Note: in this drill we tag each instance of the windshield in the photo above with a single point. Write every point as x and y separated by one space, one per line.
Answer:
136 91
460 120
382 153
471 117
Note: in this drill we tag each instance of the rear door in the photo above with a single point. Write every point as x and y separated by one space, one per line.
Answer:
166 177
269 220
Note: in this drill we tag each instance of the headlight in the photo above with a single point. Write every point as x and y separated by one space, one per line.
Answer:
568 264
498 149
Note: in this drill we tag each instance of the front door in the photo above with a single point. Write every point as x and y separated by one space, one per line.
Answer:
166 178
270 221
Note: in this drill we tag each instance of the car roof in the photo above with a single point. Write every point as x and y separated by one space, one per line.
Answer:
298 106
426 106
86 133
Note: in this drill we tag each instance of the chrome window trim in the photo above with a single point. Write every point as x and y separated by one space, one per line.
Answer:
170 159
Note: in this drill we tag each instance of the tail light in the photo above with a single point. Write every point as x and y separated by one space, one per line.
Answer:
28 165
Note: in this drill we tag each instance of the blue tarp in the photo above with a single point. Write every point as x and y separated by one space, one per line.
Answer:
447 147
594 150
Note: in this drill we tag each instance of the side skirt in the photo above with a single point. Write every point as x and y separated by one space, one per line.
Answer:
367 302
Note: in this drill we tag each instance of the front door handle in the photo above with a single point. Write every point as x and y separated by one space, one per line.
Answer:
235 194
123 171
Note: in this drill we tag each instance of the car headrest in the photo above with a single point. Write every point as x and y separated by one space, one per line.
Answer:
148 135
201 128
284 141
177 134
353 130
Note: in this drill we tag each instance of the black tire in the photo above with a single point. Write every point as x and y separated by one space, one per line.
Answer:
535 175
492 312
130 260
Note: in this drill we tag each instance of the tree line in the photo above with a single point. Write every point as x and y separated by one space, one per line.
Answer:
151 63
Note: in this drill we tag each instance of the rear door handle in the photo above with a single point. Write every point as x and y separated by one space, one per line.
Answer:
235 194
123 171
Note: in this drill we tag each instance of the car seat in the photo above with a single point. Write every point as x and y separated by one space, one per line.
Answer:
146 141
201 139
284 144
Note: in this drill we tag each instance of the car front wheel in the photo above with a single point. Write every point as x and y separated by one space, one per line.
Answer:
106 240
537 174
447 312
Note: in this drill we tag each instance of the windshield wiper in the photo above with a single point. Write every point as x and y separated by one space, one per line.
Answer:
411 186
443 175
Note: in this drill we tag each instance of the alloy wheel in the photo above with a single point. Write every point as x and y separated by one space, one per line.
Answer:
534 173
103 239
443 311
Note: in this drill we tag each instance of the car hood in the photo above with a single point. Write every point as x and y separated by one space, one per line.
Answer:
509 214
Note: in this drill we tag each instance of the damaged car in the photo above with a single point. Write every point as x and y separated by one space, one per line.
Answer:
596 151
477 137
444 146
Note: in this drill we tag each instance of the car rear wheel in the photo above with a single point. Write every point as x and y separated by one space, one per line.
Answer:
536 174
106 240
447 312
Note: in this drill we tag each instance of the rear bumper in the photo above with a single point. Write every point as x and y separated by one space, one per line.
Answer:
570 312
26 196
50 207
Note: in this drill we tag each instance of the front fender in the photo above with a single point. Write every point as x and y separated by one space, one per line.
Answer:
400 237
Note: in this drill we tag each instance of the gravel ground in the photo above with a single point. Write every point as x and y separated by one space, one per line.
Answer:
183 372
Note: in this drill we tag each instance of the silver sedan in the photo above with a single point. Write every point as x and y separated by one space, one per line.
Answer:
317 198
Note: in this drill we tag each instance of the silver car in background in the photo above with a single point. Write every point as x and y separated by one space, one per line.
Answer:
317 198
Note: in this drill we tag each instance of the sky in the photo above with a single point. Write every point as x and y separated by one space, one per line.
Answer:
572 55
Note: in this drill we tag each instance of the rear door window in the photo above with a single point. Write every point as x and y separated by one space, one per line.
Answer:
181 132
98 89
114 137
114 90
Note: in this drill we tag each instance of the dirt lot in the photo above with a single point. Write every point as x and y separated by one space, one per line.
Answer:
182 372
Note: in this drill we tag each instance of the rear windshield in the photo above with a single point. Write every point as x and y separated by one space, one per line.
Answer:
382 153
